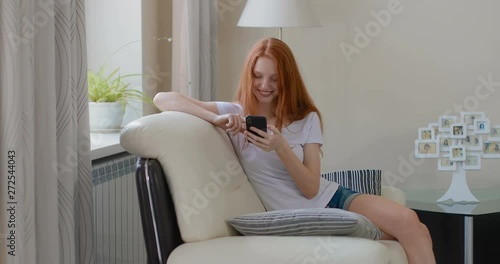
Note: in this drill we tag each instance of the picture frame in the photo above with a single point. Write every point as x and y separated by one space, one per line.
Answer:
494 133
457 153
445 164
445 142
468 118
427 148
472 141
482 126
445 122
472 161
458 130
435 127
491 149
426 133
446 134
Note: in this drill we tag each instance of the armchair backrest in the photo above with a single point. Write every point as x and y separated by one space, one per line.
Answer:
205 178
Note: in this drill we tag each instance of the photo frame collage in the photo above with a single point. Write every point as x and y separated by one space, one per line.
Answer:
464 139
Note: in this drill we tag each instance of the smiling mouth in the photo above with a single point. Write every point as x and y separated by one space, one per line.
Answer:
265 93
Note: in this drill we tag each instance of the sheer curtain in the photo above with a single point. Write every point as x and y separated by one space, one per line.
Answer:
195 48
45 169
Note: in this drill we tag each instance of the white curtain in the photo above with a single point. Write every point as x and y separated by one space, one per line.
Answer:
197 49
44 153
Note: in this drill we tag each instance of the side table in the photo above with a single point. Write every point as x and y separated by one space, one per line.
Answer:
472 230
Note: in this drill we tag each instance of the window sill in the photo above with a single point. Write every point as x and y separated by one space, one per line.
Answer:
105 145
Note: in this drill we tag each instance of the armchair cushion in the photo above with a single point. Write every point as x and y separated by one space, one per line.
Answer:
306 222
364 181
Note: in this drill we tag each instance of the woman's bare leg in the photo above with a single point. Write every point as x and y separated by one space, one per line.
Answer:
397 221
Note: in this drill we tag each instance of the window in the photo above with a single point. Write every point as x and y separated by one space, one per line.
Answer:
132 36
114 41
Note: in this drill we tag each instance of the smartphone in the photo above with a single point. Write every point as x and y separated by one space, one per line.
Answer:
259 122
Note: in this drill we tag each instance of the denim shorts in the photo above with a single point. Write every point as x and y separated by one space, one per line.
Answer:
342 198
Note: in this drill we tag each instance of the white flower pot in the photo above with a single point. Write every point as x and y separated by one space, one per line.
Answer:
105 116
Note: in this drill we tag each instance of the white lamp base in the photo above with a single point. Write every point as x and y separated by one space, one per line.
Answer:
459 191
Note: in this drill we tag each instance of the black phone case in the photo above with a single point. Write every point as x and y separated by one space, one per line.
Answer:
259 122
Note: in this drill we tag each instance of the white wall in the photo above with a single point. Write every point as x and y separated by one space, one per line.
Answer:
111 24
425 62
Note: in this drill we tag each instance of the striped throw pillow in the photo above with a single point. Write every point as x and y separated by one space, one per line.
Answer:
364 181
306 222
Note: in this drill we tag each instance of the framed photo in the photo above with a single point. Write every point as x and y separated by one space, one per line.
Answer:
495 133
457 153
472 141
445 164
458 130
425 133
445 122
472 161
491 149
435 127
482 126
468 118
445 142
445 134
426 148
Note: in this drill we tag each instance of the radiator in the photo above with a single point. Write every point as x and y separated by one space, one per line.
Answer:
117 220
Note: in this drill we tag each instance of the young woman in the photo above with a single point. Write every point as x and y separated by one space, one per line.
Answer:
283 164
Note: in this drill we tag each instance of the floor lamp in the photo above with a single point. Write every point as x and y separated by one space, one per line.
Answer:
278 13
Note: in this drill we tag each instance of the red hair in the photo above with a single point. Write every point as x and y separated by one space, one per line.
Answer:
294 102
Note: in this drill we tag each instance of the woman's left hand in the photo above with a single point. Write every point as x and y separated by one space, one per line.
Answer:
269 141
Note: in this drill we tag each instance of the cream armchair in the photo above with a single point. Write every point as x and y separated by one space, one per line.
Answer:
190 182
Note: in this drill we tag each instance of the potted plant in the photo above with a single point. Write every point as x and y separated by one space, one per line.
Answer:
108 96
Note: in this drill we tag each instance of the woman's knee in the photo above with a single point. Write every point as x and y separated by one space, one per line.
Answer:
414 225
410 220
425 230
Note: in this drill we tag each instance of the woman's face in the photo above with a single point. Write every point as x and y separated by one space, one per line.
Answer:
265 80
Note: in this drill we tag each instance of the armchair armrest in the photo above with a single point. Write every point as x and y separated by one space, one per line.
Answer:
394 194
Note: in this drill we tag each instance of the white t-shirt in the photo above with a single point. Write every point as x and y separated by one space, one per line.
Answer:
267 173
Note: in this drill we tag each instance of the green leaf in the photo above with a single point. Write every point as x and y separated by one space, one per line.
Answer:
112 87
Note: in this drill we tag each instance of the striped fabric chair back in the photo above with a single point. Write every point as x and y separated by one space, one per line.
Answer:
365 181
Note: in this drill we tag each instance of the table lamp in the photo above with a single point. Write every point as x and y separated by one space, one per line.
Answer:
278 13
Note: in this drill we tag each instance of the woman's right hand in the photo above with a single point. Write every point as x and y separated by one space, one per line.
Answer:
231 123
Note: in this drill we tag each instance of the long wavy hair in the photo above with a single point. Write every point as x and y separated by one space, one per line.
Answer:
293 101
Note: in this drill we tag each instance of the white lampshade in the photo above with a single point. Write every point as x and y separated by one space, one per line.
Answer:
278 13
